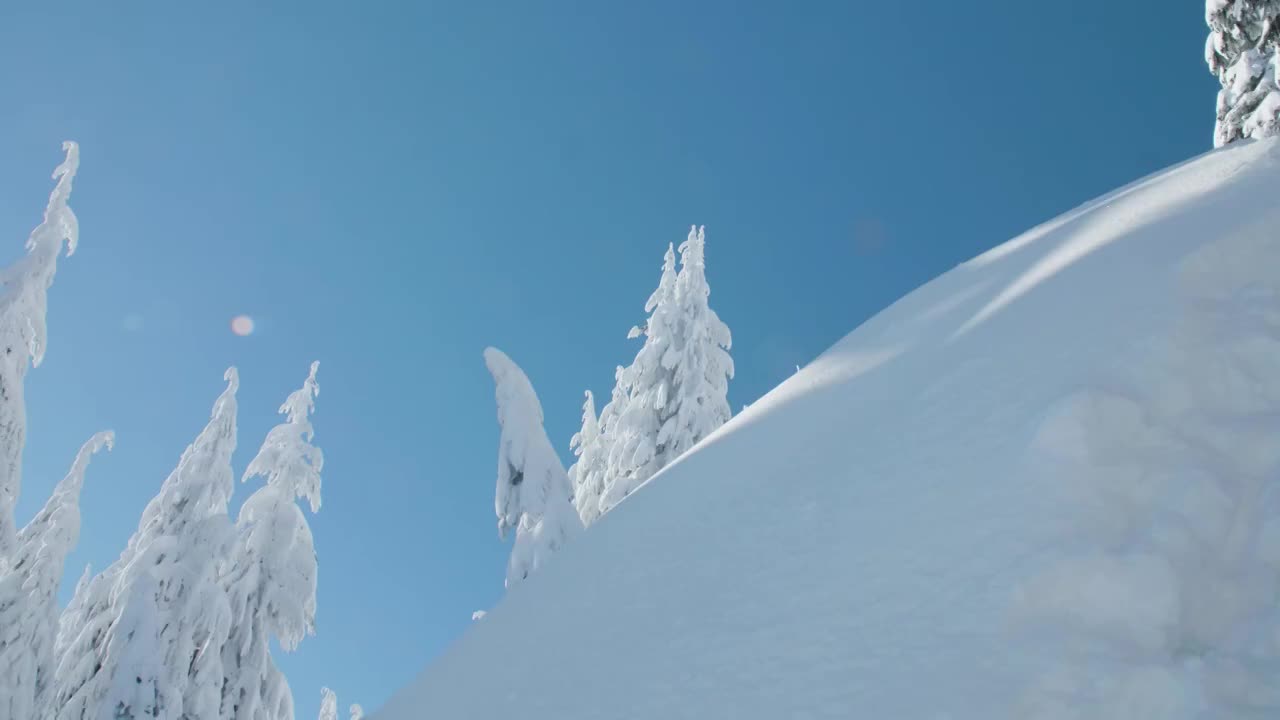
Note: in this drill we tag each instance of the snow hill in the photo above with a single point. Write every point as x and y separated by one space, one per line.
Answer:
1044 485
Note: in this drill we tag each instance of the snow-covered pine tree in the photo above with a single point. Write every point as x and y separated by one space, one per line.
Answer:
328 704
677 387
271 577
28 593
533 494
701 366
141 639
634 455
23 306
1244 37
587 474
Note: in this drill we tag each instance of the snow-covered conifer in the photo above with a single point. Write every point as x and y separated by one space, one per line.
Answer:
632 438
1244 38
533 493
328 704
588 473
271 577
141 639
23 305
28 593
702 366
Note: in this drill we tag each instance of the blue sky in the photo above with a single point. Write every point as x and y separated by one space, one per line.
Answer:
390 187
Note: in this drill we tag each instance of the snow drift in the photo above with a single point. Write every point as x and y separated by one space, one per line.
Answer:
1044 485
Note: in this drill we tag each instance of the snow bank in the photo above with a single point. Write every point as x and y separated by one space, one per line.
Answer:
1044 485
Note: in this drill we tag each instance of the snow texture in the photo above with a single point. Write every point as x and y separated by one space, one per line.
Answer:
1242 52
1045 485
533 493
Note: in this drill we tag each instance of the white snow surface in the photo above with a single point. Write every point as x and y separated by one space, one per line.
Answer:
1044 485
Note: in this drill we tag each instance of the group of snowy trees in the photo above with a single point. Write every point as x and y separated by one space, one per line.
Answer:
672 395
180 626
1243 52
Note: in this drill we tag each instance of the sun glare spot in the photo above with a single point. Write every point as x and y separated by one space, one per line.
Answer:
242 325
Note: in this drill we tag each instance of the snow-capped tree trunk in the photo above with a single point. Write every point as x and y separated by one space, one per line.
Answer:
533 493
23 305
139 640
28 594
1244 38
271 578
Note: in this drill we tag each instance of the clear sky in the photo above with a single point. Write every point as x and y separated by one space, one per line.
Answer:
388 187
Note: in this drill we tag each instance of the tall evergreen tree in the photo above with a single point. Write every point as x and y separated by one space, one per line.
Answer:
271 578
1244 37
23 307
141 639
28 594
677 386
588 473
533 493
328 704
634 455
702 367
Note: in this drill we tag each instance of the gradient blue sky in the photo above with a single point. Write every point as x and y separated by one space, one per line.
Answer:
390 187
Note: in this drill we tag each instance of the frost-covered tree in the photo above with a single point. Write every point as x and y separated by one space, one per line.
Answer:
142 639
701 366
28 593
533 493
23 305
1244 38
271 577
632 437
677 386
588 473
329 706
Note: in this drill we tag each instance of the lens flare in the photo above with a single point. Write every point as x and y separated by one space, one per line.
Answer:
242 325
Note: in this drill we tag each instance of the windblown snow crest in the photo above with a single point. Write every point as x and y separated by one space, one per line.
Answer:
1044 485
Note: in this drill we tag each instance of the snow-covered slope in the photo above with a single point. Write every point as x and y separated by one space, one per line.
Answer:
1043 485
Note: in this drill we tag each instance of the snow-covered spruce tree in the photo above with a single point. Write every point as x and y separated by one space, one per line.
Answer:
142 639
28 593
587 474
632 437
677 387
701 366
1244 37
271 576
22 331
329 706
533 493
